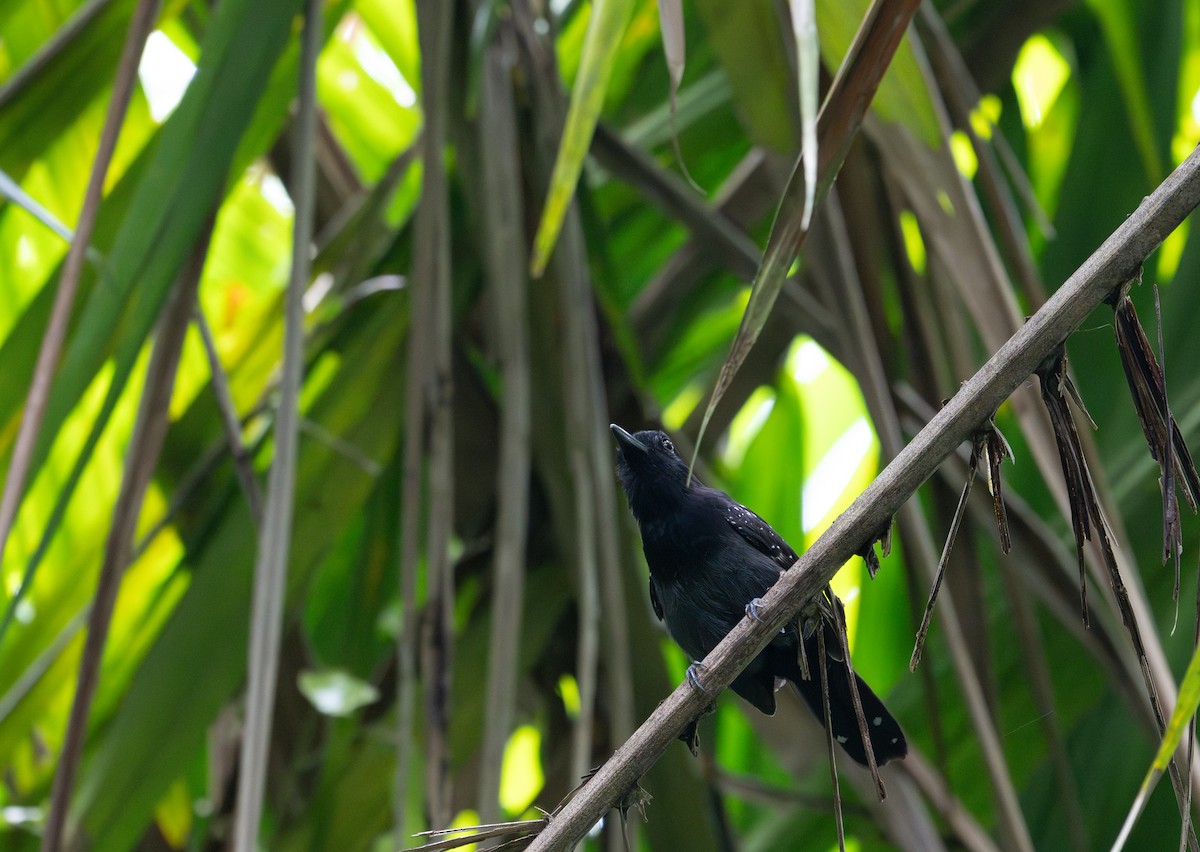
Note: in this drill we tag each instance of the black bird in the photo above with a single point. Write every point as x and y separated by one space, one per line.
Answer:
710 560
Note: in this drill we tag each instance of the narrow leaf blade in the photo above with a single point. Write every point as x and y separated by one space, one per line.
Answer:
607 25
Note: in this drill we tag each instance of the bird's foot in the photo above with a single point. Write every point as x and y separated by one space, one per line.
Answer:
694 671
754 609
690 735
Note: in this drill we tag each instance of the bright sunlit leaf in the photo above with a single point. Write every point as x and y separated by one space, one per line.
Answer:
964 154
839 450
747 423
521 776
808 361
568 688
1171 251
985 115
1038 76
680 408
1187 133
828 480
914 243
173 814
165 72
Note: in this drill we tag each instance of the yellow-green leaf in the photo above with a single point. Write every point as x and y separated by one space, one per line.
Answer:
607 24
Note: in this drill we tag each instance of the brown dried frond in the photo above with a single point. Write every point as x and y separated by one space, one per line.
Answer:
993 448
1146 377
989 447
837 790
1081 494
839 622
1148 390
524 830
1086 517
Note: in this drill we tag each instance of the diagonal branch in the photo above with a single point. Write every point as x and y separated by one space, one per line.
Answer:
1112 264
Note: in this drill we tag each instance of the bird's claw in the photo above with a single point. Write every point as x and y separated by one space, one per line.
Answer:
690 736
693 678
754 609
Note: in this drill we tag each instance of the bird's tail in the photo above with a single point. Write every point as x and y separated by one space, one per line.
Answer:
887 740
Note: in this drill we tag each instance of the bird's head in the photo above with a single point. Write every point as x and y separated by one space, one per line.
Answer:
653 475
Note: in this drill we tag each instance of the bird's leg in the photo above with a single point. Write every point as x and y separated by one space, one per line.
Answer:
754 609
691 734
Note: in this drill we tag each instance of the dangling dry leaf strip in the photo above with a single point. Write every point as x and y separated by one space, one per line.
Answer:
833 776
1056 386
995 449
839 621
808 622
1172 532
1086 515
1147 387
988 445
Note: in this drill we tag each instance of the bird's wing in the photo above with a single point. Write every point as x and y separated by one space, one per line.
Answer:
759 534
654 601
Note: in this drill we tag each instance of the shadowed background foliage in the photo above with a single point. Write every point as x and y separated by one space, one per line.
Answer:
466 624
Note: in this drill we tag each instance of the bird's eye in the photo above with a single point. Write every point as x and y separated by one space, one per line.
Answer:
670 448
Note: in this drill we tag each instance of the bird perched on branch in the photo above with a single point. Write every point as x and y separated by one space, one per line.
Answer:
710 560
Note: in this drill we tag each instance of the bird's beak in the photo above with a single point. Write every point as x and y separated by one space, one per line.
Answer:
626 441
